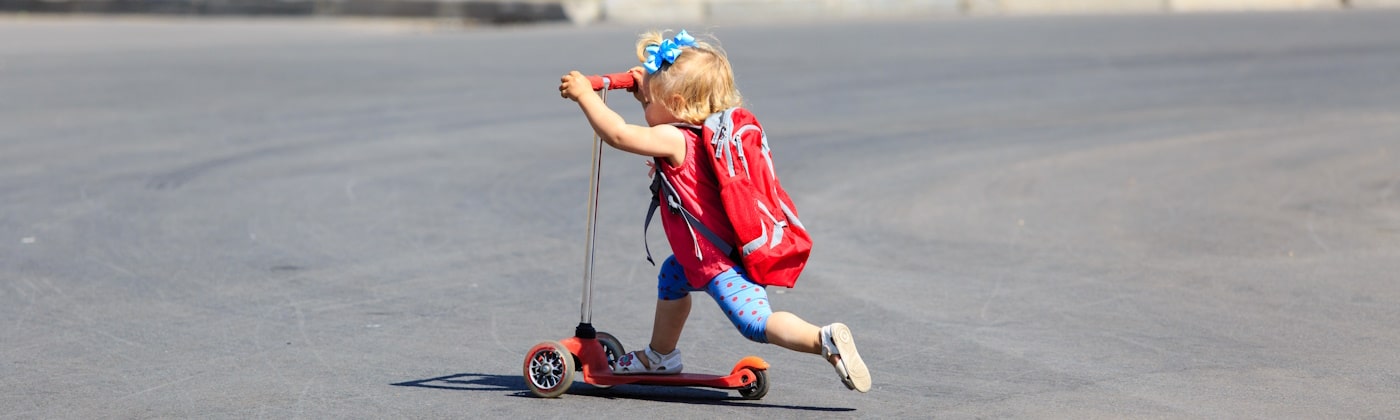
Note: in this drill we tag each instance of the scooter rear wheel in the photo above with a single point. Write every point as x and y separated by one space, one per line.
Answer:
549 369
759 388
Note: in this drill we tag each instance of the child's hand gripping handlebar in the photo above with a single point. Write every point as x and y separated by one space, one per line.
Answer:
622 80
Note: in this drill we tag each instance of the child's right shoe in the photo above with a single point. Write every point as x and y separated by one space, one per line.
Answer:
649 362
837 341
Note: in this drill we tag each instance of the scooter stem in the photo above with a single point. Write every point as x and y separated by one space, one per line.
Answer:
586 311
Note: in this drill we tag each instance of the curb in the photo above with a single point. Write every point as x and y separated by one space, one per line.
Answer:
495 12
584 12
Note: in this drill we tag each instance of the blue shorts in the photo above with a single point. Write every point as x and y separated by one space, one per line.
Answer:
743 301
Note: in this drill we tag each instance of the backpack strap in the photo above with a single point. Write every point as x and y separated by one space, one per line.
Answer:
661 187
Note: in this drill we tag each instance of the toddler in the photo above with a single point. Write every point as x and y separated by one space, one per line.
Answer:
680 83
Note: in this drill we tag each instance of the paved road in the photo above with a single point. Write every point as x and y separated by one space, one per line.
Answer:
1191 216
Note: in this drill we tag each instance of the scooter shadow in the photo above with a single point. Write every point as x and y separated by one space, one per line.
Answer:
679 394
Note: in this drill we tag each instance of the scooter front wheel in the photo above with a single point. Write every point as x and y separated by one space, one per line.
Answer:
549 369
612 347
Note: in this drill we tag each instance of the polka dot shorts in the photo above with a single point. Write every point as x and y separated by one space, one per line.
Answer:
745 303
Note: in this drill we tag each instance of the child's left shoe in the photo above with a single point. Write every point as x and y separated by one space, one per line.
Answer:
837 341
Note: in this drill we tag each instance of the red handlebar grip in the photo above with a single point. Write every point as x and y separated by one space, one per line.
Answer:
616 81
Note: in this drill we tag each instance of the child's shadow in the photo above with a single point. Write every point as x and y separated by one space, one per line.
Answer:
687 395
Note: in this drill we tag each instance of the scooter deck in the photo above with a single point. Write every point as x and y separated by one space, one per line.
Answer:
732 381
596 370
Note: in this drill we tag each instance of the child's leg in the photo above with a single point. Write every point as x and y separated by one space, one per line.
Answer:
792 333
669 321
672 308
746 304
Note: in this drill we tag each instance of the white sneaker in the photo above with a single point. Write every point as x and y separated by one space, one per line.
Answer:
837 340
649 362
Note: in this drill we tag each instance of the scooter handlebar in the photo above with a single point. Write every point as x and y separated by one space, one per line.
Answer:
622 80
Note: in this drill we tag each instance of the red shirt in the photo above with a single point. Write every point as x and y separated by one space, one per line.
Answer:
698 188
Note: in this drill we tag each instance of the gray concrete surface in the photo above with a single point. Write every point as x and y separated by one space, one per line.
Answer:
1108 217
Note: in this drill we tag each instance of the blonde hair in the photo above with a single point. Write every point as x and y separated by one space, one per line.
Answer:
701 76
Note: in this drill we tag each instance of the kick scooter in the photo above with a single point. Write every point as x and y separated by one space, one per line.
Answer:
550 365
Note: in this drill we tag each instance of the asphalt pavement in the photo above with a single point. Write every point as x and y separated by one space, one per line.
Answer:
1157 216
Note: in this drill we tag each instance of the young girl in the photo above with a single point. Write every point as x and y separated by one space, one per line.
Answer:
682 82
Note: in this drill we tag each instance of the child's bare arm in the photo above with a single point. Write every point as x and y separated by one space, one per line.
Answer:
664 141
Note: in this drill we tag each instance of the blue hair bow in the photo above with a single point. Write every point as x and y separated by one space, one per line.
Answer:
667 51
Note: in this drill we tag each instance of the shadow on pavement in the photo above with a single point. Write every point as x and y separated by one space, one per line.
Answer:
471 382
686 395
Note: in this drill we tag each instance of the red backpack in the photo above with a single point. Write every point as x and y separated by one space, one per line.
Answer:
773 245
